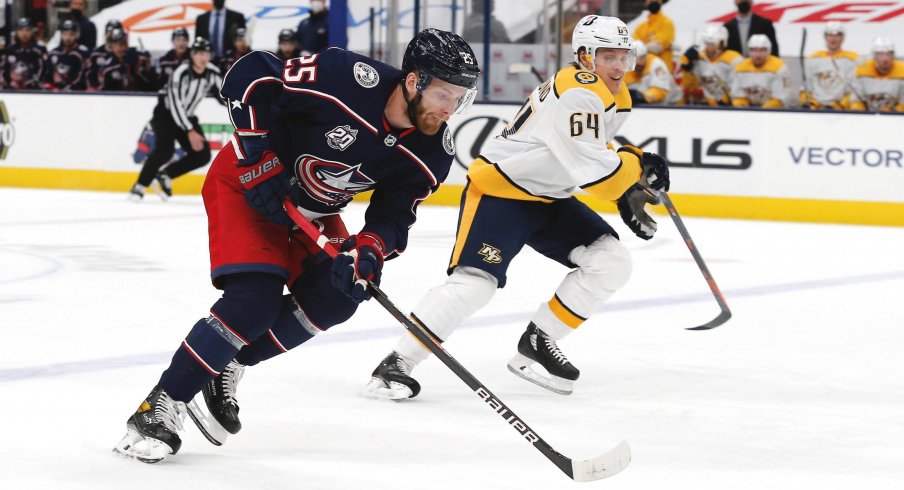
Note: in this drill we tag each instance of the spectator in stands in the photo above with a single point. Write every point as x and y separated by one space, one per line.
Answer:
713 68
24 57
762 80
879 83
99 54
87 30
657 33
313 31
218 26
651 82
174 57
473 31
66 64
829 73
125 68
748 24
240 47
288 45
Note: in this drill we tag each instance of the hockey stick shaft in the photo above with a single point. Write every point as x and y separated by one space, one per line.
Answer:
601 467
725 314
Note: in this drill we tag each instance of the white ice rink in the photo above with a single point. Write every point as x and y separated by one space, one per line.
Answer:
803 388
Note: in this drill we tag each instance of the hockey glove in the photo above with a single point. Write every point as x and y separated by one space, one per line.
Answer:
637 97
691 55
631 208
361 261
266 187
655 168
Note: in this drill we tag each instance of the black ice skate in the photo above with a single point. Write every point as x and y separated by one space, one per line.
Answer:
536 347
136 193
392 380
152 431
218 416
163 185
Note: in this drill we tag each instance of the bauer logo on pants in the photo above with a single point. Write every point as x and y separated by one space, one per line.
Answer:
7 132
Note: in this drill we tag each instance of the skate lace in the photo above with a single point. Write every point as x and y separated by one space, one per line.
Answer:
402 365
231 377
555 351
170 412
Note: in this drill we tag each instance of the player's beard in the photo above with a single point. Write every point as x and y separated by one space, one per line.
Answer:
425 122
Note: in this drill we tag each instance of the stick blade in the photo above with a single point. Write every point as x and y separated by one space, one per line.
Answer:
610 463
715 322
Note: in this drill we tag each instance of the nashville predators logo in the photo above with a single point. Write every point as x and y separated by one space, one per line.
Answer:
585 77
491 254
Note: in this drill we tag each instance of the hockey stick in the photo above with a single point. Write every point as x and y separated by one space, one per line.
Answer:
803 66
725 314
598 468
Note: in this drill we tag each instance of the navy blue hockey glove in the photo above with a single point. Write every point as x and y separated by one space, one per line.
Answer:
266 188
655 168
361 260
691 55
637 97
631 208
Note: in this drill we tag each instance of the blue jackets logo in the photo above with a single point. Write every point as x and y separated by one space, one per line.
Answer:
332 183
7 132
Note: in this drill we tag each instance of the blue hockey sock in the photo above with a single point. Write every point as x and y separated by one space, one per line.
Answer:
291 329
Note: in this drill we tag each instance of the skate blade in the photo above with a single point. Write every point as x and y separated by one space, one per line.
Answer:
215 433
158 189
378 389
522 367
145 449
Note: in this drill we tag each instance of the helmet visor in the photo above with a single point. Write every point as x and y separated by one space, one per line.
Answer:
452 98
622 59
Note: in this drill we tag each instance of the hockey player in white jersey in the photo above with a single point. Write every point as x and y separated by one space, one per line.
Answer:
762 80
521 192
651 81
712 67
879 83
829 72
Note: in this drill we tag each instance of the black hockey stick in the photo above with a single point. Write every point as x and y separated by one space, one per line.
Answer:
725 314
803 66
598 468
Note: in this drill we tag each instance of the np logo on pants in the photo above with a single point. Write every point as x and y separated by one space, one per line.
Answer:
491 254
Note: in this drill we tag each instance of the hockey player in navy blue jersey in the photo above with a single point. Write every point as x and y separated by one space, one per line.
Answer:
167 63
24 63
66 64
318 130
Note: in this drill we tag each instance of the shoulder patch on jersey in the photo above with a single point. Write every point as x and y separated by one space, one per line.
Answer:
585 77
448 142
366 75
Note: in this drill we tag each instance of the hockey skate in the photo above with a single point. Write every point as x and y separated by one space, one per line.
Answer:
218 415
136 193
163 185
152 431
535 348
392 380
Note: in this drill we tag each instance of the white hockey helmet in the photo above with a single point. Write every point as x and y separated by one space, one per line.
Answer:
715 34
596 31
833 27
759 41
883 45
640 49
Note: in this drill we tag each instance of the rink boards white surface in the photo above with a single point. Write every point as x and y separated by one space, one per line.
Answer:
802 388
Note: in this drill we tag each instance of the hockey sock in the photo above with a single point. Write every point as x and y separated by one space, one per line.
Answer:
248 308
291 329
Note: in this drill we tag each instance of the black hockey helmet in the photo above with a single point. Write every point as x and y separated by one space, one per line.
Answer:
200 44
70 25
180 32
441 54
24 23
286 35
113 24
117 35
240 33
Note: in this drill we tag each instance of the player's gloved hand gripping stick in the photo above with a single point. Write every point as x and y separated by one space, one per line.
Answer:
608 464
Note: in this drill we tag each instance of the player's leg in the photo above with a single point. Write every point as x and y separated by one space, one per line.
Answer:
166 132
192 159
580 239
490 233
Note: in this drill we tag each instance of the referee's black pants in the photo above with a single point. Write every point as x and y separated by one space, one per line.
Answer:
166 133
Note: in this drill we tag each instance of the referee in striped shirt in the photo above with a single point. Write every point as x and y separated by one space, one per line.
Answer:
174 120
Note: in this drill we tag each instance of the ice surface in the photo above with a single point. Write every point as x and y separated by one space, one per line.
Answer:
802 388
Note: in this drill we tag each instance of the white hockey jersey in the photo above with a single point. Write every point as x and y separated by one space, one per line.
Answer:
767 86
876 92
655 82
557 144
716 75
829 77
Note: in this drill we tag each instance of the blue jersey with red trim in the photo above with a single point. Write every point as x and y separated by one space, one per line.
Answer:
323 116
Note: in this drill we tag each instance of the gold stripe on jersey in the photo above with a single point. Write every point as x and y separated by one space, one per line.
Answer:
868 69
572 77
773 64
493 182
841 54
564 314
612 186
466 219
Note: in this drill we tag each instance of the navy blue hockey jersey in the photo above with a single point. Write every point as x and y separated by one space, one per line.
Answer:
323 116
